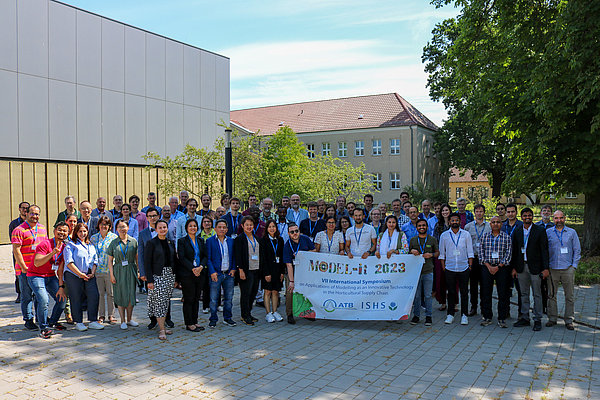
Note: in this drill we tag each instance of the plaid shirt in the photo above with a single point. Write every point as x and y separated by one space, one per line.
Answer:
500 244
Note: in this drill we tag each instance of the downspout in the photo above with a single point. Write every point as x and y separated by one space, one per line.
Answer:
412 160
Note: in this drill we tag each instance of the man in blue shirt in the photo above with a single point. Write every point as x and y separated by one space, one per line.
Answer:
296 243
410 228
152 203
295 213
545 223
565 252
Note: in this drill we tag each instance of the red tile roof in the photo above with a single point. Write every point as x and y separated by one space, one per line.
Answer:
381 110
455 176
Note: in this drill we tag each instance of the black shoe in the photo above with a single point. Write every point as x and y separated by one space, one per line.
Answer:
169 323
59 327
311 319
46 333
248 321
291 319
550 324
254 319
196 329
570 327
140 290
29 324
18 299
521 322
427 321
472 312
229 322
537 326
212 324
152 324
260 304
414 320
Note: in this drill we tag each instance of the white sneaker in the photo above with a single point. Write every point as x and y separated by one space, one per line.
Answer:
220 309
270 317
464 320
449 319
96 325
80 327
133 323
123 325
277 316
205 310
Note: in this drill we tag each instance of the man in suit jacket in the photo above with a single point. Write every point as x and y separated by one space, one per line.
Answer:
144 237
530 266
86 216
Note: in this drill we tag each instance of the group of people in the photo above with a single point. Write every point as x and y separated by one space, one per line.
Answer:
98 258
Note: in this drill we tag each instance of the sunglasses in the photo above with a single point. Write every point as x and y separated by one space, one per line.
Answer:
294 231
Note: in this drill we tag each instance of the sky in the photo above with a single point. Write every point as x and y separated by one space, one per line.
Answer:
288 51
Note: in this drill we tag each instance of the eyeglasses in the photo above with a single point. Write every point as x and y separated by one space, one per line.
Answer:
294 231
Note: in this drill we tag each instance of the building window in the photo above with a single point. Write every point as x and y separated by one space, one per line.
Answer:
395 180
376 147
471 192
342 149
359 148
427 148
459 191
394 146
310 150
377 181
326 149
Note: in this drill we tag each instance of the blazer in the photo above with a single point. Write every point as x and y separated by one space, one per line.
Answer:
214 256
537 250
240 252
186 255
155 258
266 261
144 237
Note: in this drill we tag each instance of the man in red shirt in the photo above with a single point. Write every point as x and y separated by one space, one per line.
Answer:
25 239
45 283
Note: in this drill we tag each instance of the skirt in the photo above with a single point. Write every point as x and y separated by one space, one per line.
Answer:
160 296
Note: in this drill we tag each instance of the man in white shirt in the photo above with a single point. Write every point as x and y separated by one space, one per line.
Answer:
361 239
456 256
295 213
476 229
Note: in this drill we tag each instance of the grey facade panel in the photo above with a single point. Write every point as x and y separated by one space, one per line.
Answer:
9 117
8 33
62 43
62 118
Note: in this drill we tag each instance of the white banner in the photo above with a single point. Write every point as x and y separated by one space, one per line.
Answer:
330 286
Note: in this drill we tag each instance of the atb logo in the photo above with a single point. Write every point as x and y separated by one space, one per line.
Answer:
393 306
331 305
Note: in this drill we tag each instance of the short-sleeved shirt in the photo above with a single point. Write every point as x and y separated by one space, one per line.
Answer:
82 255
290 249
29 238
360 239
44 249
312 228
101 248
329 246
123 252
427 245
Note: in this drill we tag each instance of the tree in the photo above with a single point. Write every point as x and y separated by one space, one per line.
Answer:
528 73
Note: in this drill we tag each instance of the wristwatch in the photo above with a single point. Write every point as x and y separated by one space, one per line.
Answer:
61 286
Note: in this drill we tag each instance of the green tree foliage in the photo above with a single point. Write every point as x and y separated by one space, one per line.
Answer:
419 192
523 78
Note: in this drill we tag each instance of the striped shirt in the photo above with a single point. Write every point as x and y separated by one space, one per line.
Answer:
495 249
29 238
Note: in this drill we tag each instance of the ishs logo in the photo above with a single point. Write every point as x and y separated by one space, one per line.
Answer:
393 306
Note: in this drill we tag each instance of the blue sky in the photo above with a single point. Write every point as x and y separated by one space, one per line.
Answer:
289 51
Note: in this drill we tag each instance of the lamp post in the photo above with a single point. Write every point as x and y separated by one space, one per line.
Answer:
228 162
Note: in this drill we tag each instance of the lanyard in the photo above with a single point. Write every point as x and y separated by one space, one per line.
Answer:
312 228
222 247
526 236
457 240
274 246
423 246
296 216
559 237
101 244
297 247
496 238
121 248
256 228
234 224
282 224
36 231
57 256
329 243
477 231
359 236
512 230
390 240
253 243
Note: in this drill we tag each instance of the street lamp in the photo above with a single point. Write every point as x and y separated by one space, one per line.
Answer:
228 162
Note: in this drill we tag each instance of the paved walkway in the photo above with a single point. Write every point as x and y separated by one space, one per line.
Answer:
316 360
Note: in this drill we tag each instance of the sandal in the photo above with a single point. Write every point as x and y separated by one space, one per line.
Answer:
168 331
162 335
112 320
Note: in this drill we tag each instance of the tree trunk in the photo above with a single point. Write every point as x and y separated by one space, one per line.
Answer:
497 180
591 224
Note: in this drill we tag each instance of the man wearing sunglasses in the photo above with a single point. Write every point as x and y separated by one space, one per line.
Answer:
296 243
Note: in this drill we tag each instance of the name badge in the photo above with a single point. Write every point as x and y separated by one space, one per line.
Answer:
54 267
564 250
124 263
495 254
233 236
295 262
33 247
255 257
276 260
523 250
195 263
456 252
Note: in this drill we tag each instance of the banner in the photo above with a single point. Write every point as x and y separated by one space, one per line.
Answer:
331 286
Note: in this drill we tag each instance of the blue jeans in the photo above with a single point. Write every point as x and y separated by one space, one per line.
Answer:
226 282
44 288
425 286
76 287
27 300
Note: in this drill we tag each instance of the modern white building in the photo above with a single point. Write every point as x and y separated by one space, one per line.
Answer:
84 97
